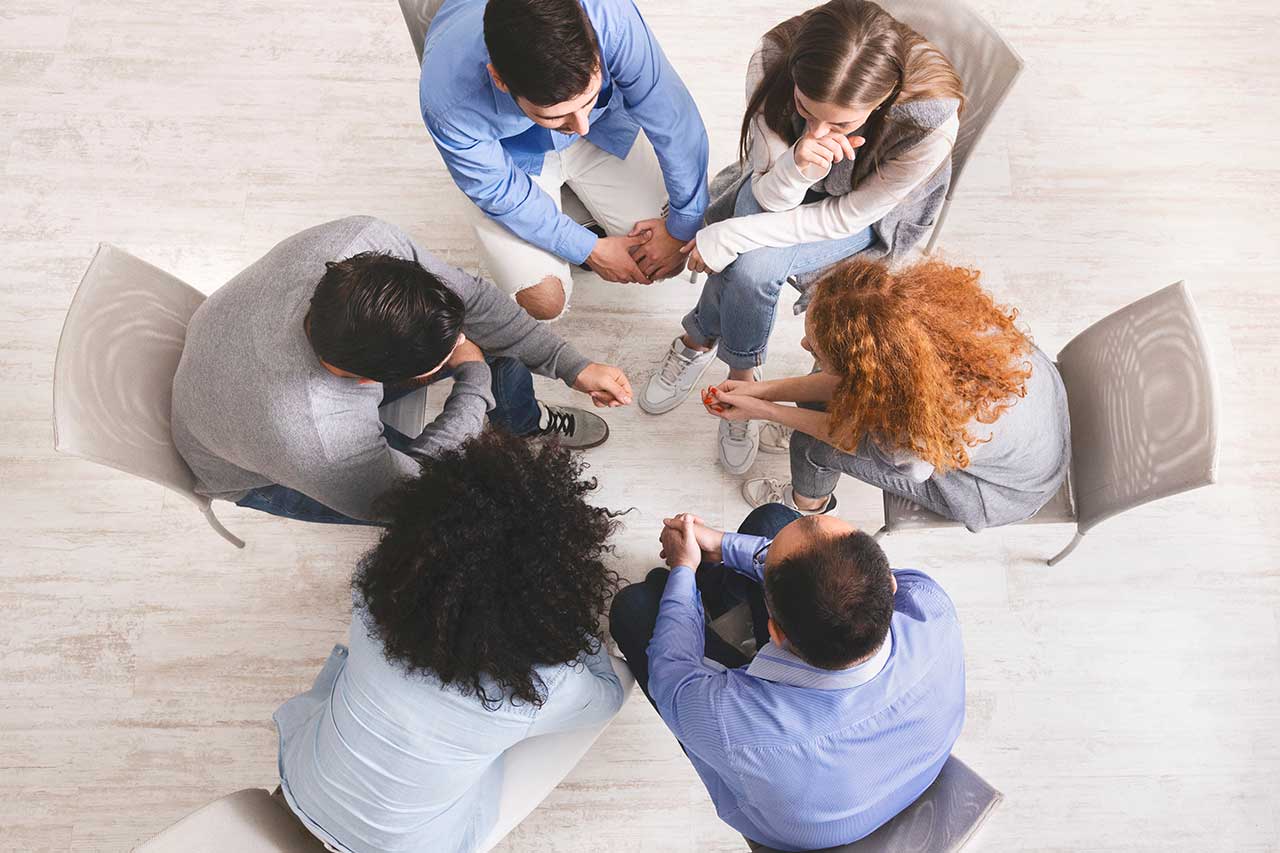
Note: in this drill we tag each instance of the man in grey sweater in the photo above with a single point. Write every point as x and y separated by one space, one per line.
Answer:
275 402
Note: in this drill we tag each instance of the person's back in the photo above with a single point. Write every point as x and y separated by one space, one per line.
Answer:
452 657
884 742
850 707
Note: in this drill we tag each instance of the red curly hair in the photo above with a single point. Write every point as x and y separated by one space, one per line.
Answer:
921 352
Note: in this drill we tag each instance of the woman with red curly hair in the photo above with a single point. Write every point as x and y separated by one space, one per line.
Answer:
926 388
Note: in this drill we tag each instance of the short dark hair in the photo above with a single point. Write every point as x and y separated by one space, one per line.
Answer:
834 599
383 318
492 563
545 51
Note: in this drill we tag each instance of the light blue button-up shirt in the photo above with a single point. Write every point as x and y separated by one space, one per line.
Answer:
797 757
491 147
374 760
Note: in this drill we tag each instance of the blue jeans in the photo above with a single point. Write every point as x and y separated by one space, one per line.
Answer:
738 304
634 611
515 409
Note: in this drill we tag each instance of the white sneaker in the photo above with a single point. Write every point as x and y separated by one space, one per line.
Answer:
775 438
767 490
739 442
679 372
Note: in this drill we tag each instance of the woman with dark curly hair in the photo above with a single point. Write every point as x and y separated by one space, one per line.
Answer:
475 627
926 388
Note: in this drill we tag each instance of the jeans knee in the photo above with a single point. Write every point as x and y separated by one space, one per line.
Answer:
759 272
768 520
632 606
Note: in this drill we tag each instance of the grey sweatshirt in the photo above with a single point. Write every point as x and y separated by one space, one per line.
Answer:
252 404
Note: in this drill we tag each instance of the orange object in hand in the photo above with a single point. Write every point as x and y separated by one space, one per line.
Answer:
709 400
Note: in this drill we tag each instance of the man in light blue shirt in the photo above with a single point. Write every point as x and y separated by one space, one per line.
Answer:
524 96
853 701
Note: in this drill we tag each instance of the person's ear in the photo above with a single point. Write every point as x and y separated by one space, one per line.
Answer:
497 78
893 582
365 381
775 633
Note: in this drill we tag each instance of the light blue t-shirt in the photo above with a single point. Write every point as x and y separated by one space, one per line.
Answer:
374 760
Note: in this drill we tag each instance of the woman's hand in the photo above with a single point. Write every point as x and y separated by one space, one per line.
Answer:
735 407
821 152
696 263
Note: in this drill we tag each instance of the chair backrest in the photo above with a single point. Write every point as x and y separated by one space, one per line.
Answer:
417 17
248 821
941 820
1144 409
113 380
987 65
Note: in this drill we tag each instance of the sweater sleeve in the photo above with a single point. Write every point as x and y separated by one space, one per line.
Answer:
832 218
463 414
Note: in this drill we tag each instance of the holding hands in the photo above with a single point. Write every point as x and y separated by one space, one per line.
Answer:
821 152
660 255
687 541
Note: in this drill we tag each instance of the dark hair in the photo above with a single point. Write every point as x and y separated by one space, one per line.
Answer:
492 563
834 599
383 318
545 51
849 52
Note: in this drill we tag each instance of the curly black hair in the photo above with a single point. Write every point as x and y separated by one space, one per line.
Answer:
492 563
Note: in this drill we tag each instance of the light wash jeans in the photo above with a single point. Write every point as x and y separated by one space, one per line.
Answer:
739 303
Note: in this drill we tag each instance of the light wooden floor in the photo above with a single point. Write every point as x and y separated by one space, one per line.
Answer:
1126 700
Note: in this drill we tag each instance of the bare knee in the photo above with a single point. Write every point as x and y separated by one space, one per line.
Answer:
543 301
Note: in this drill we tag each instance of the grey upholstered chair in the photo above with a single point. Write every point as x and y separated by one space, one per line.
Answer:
988 66
941 820
113 380
1144 417
248 821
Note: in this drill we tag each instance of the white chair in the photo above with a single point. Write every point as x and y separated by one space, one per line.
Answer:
113 380
942 820
253 821
1144 417
988 67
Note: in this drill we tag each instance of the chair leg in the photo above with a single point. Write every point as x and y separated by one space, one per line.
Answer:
1071 546
221 531
937 227
880 534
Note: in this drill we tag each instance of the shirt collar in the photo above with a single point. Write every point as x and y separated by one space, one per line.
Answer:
776 663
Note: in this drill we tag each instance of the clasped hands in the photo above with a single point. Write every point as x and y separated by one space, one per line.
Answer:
647 254
688 541
735 400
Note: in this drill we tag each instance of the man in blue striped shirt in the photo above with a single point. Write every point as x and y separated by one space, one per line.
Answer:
853 701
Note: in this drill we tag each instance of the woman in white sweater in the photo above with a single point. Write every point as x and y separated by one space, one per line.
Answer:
845 150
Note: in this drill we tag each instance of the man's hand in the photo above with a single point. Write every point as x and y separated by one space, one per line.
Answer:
660 256
820 152
611 259
465 351
607 385
708 538
680 544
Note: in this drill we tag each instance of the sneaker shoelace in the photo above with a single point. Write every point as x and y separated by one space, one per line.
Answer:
672 366
560 423
775 434
737 430
772 491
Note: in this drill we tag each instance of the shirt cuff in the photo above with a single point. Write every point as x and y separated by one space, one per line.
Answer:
683 226
738 552
713 250
576 243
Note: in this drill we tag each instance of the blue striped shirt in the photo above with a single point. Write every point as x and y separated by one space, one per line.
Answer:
797 757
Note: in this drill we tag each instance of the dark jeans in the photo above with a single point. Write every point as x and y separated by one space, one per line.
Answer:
635 608
516 409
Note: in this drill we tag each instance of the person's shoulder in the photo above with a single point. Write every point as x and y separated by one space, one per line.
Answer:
921 597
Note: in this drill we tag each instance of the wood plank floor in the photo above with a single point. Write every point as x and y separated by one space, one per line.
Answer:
1127 700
